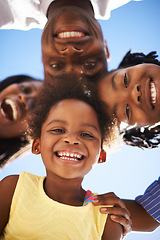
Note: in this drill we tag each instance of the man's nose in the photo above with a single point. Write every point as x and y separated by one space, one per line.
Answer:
71 139
136 94
71 50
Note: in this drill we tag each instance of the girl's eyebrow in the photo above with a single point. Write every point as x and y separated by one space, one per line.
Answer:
92 126
56 120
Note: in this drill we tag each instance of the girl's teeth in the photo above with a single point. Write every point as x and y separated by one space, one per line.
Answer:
69 156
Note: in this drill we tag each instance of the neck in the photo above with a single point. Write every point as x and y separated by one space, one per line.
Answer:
66 191
84 4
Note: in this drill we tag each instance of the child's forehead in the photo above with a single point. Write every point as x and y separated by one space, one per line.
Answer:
69 104
73 109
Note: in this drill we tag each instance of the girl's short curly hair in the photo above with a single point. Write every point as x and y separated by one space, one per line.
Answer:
67 87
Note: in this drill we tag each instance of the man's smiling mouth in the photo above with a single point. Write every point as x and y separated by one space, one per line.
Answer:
70 34
71 156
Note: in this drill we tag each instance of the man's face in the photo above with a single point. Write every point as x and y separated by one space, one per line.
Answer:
72 42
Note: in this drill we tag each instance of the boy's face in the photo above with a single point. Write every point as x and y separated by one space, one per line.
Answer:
72 42
133 94
70 141
15 101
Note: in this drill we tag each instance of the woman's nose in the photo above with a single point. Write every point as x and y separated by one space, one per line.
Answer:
22 99
27 101
136 94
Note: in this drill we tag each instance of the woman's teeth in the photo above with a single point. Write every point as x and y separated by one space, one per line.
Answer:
9 109
153 93
72 34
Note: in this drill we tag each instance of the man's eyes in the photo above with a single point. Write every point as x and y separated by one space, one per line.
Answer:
57 65
89 65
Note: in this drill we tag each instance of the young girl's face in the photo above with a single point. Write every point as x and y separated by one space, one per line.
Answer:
133 94
70 141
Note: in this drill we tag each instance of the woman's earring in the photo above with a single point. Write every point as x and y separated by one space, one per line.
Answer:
102 157
36 150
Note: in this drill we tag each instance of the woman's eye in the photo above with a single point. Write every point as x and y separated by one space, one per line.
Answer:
127 111
87 135
26 89
125 81
90 65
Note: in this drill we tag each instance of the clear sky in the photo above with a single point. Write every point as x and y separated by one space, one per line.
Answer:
129 170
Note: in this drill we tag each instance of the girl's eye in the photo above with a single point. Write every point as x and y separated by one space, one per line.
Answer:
87 135
125 80
127 111
57 130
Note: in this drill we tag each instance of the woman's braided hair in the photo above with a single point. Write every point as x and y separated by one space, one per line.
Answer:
142 137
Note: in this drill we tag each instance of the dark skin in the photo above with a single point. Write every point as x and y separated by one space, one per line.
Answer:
84 53
140 219
62 133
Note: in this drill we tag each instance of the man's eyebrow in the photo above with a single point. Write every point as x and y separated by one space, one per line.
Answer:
113 82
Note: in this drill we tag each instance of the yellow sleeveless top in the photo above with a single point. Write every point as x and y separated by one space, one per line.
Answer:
35 216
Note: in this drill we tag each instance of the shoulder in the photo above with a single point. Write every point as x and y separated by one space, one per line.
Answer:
7 188
9 182
112 230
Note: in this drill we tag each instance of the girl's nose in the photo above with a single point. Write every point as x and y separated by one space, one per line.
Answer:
71 139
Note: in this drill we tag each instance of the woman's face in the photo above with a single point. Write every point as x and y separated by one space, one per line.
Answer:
133 94
15 101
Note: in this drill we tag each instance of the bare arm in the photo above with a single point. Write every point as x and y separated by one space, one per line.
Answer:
141 219
112 230
118 213
7 187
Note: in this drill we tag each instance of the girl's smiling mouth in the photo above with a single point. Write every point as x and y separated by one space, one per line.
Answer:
70 156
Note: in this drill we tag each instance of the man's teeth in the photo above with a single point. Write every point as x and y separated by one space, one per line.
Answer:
153 93
70 35
69 156
8 108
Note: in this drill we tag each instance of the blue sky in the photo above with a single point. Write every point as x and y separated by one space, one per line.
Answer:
129 170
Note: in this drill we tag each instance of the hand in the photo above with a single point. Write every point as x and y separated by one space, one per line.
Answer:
118 213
